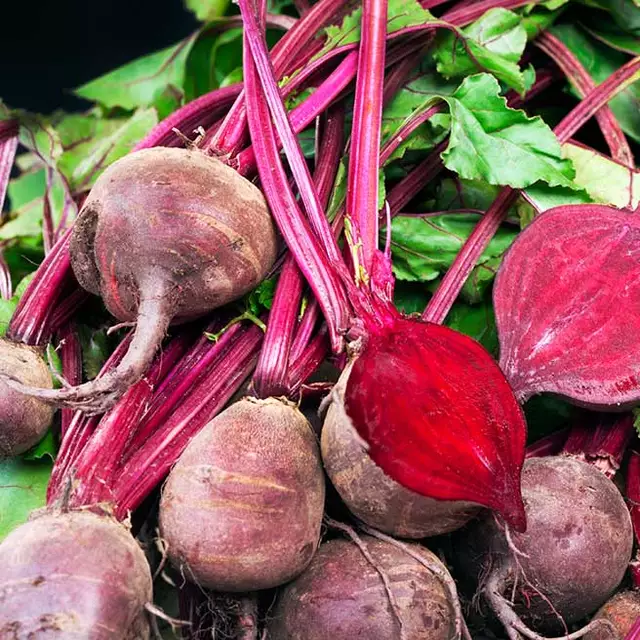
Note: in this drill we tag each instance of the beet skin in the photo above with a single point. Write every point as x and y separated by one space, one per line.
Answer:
573 555
341 596
73 575
373 496
23 420
242 508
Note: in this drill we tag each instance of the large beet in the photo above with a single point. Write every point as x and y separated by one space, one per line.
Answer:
73 575
436 414
23 420
242 508
573 555
165 235
341 596
373 496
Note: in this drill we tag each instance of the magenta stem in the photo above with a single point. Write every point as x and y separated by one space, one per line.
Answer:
583 83
9 130
93 472
236 352
364 157
71 359
302 242
633 499
29 323
609 442
548 446
634 632
310 359
271 374
476 243
67 307
79 433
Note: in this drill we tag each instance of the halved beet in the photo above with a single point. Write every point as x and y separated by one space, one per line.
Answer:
438 415
567 298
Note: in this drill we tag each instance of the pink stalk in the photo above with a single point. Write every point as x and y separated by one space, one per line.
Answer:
305 113
271 374
548 446
583 83
300 239
6 286
79 433
201 112
71 358
476 243
364 158
311 358
634 632
9 130
285 56
236 353
67 307
93 474
609 442
29 323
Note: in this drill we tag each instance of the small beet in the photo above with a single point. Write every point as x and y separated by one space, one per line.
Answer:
73 575
242 508
342 596
437 415
573 555
566 299
622 611
23 420
373 496
164 236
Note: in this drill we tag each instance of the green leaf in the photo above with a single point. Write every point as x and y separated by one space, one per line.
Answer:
410 297
493 43
110 140
7 307
603 28
141 82
502 146
205 10
23 488
600 61
477 322
423 248
26 188
261 298
46 448
625 13
95 350
400 14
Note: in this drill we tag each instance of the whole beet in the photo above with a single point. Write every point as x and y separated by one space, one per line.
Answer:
572 556
23 420
73 575
242 508
622 611
341 596
165 235
373 496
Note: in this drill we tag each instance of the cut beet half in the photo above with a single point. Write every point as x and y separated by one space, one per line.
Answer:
438 416
567 298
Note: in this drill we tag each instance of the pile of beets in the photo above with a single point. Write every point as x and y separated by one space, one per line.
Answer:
329 468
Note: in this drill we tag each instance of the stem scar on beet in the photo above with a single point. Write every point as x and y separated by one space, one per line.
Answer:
166 235
566 299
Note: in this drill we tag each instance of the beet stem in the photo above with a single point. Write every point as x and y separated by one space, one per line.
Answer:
579 77
548 446
9 130
453 281
71 358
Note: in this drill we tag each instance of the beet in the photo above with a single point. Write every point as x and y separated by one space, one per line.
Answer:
437 415
73 575
164 236
23 420
622 611
373 496
242 508
573 555
341 595
566 297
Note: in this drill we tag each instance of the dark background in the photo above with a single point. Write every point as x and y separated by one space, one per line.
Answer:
48 47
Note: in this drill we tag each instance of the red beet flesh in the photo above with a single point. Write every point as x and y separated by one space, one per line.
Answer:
341 596
164 236
73 575
566 300
573 555
439 416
